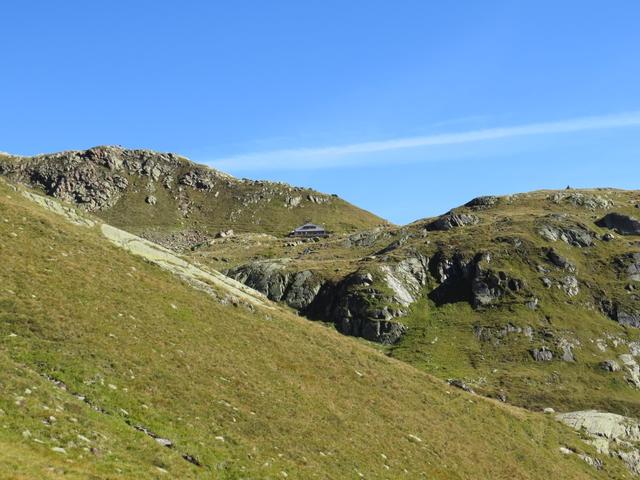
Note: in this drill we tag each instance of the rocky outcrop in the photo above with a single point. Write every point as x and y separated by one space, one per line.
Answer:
296 289
358 308
611 434
488 286
542 354
629 266
560 261
100 178
623 224
366 238
496 334
365 304
632 369
569 285
479 203
452 220
95 178
464 279
624 314
575 235
578 199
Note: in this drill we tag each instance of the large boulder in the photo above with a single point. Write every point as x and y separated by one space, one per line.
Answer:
623 224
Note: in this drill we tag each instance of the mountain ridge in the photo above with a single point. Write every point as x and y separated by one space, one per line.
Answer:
157 192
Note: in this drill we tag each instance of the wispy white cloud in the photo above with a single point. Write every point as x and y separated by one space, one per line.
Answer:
352 154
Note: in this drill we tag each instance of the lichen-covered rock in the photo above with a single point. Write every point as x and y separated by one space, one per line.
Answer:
95 178
366 238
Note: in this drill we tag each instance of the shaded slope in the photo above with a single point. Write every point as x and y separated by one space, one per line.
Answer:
247 392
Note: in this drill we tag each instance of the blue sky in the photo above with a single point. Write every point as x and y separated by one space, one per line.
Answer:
406 108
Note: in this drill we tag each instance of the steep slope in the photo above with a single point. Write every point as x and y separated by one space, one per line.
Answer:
102 351
530 298
161 193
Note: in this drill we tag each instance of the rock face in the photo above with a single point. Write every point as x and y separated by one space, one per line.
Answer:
452 220
611 434
296 289
463 279
623 224
623 314
629 266
488 286
357 305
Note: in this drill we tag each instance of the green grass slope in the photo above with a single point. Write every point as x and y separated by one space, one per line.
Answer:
490 346
94 342
443 339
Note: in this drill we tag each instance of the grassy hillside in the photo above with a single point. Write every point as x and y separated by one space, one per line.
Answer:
94 342
161 193
446 339
562 309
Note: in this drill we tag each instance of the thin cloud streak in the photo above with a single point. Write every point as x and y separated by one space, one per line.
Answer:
345 155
